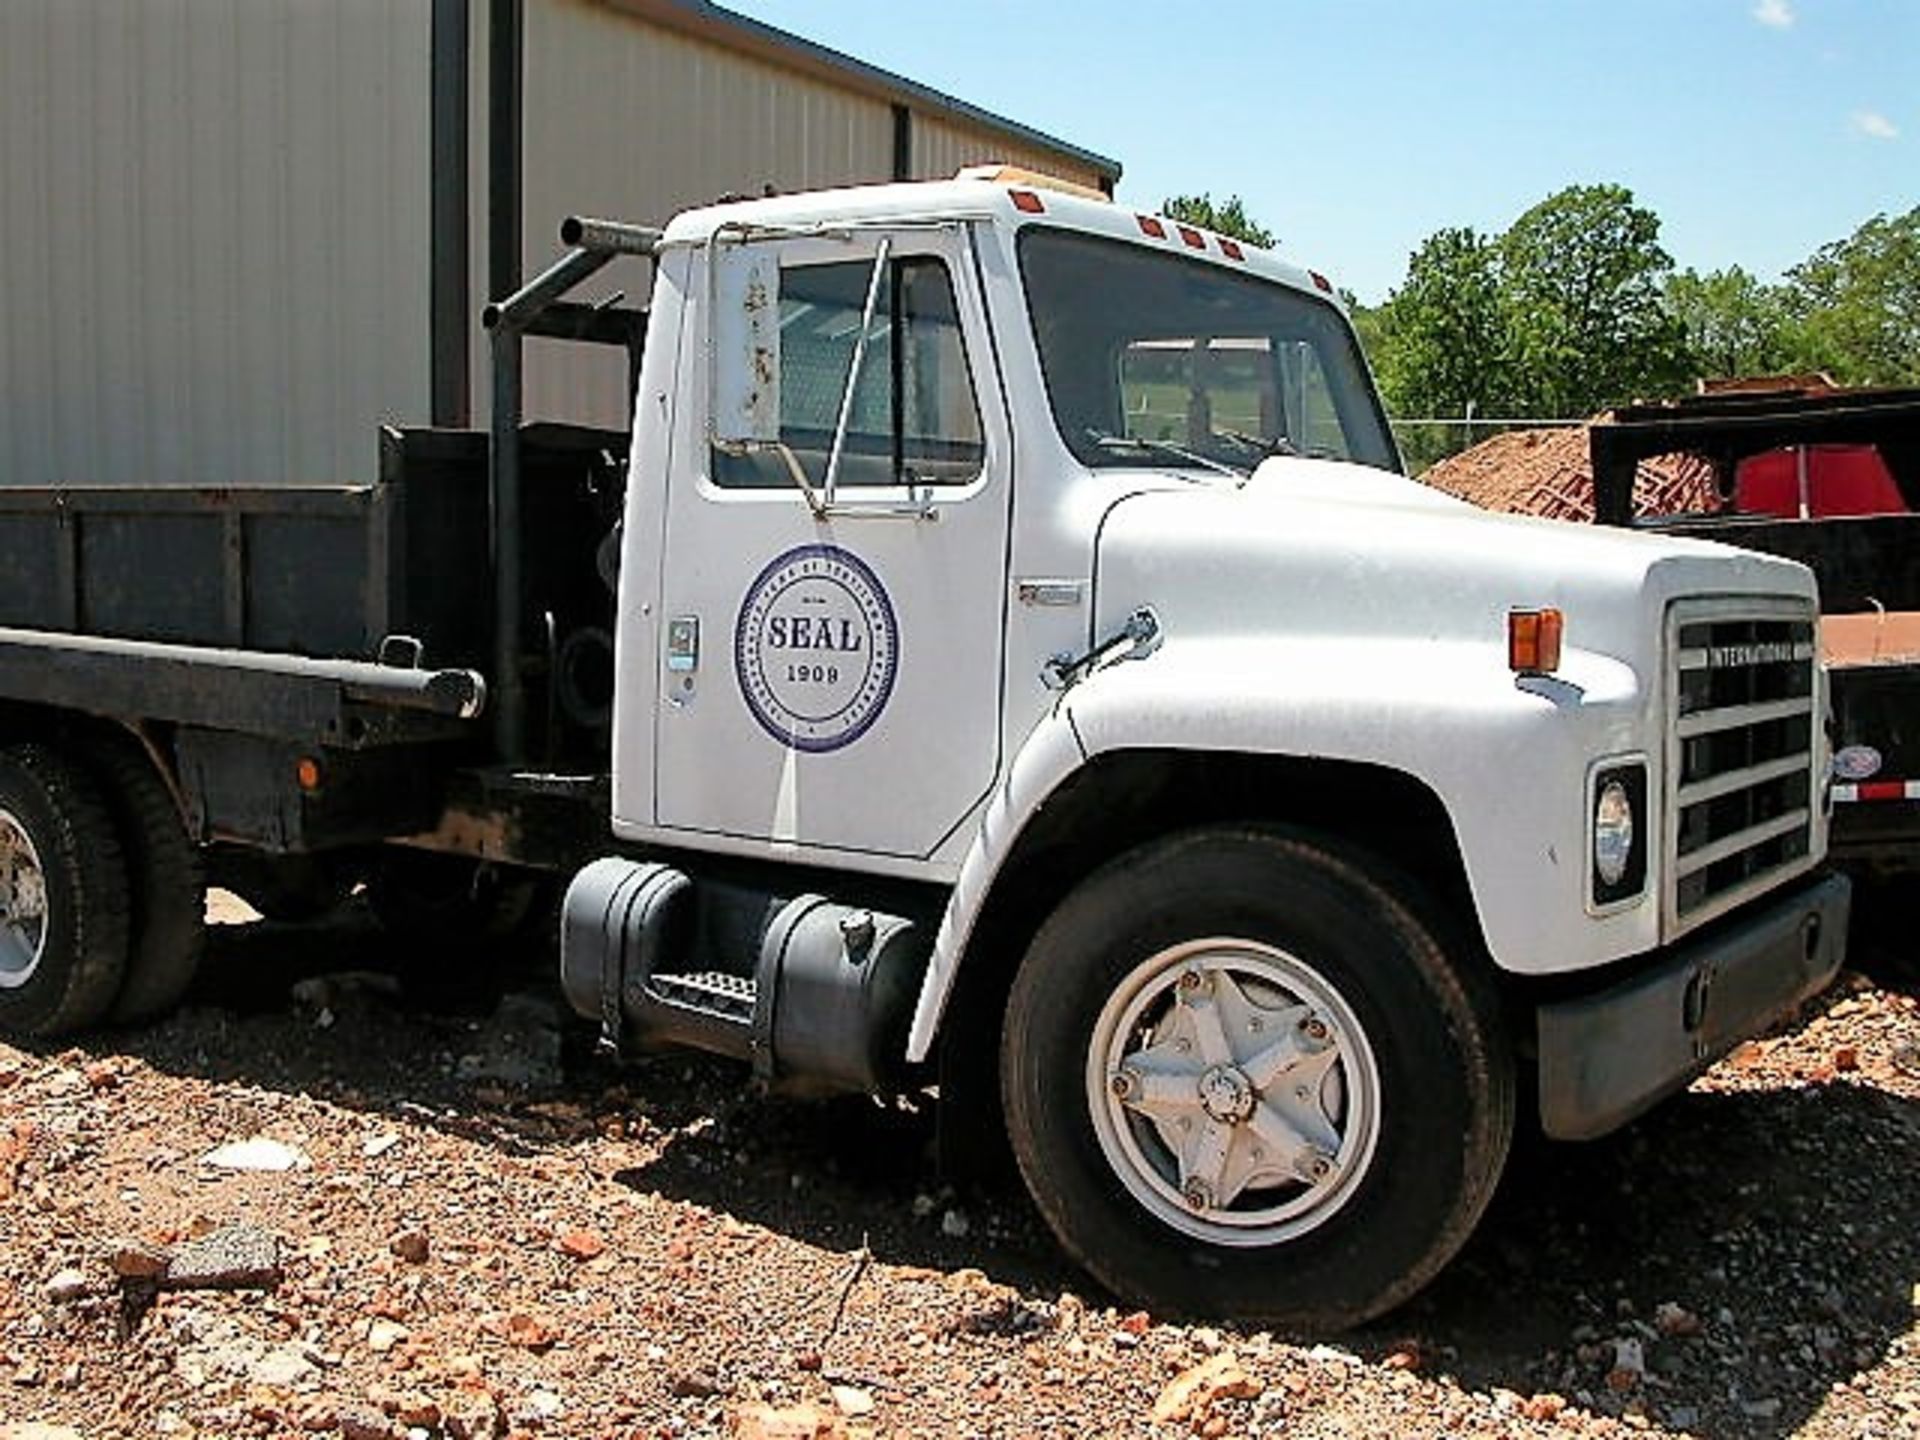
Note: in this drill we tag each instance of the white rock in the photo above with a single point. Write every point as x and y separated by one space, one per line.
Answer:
1630 1355
383 1335
544 1404
284 1366
374 1146
68 1286
852 1401
259 1153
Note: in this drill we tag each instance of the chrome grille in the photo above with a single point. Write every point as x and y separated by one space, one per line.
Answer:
1740 785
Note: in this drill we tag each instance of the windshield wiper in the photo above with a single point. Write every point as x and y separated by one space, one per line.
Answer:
1266 447
1166 450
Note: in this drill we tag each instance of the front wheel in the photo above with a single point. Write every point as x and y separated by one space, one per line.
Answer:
1243 1078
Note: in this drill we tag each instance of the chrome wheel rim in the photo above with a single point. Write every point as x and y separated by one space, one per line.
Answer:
23 904
1233 1092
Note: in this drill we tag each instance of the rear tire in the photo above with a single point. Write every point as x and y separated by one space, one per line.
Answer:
168 884
1242 1078
63 896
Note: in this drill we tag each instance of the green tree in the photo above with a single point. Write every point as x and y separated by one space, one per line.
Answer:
1228 217
1440 343
1733 324
1369 325
1856 304
1585 319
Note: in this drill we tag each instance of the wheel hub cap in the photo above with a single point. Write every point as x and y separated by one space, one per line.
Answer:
1233 1091
1226 1094
23 904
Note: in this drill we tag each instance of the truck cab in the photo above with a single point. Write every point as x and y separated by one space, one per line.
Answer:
1270 813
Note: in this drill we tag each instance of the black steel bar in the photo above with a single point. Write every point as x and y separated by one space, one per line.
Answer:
450 296
506 321
66 565
513 313
509 714
534 308
902 142
611 237
590 324
506 95
233 568
460 694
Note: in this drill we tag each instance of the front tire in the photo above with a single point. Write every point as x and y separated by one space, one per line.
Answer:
1242 1078
63 896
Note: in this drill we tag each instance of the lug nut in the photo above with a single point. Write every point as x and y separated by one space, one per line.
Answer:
1198 1194
1315 1167
1314 1028
1123 1085
1192 982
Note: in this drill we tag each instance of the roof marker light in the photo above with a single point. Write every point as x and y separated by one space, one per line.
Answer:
1152 226
1027 202
1193 237
1231 249
1321 282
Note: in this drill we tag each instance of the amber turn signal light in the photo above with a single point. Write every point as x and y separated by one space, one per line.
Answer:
1533 641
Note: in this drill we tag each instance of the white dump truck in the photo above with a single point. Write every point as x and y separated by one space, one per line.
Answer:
1004 658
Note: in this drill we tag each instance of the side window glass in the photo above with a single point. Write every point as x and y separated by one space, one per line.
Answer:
914 418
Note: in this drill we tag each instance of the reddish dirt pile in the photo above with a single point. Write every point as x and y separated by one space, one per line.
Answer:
1546 472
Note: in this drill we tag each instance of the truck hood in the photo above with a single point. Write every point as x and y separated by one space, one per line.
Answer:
1324 549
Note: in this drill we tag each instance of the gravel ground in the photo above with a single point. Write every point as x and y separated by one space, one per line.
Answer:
487 1231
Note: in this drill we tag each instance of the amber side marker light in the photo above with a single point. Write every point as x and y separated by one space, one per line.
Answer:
1533 641
307 772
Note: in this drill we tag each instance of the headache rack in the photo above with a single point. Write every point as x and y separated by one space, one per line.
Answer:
1742 797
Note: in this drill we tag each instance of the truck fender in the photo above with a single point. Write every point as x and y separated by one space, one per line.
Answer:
1050 754
1504 758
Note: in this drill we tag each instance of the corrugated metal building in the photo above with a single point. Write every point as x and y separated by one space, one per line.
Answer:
238 235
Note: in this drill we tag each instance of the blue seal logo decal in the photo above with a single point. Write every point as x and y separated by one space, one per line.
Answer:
816 648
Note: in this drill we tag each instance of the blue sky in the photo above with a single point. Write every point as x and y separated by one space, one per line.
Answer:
1757 130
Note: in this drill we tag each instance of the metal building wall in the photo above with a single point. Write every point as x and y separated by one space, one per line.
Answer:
213 238
633 121
943 147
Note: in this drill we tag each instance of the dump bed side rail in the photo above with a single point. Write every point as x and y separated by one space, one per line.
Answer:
351 704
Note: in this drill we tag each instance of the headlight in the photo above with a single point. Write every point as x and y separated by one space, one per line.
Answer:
1612 834
1617 831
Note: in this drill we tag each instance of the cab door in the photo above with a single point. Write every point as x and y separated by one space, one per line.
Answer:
831 670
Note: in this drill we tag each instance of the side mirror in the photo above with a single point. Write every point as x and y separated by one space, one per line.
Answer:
745 342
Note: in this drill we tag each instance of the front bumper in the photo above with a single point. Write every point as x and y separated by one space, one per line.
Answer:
1606 1057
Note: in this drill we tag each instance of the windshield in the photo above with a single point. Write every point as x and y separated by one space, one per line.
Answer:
1151 355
